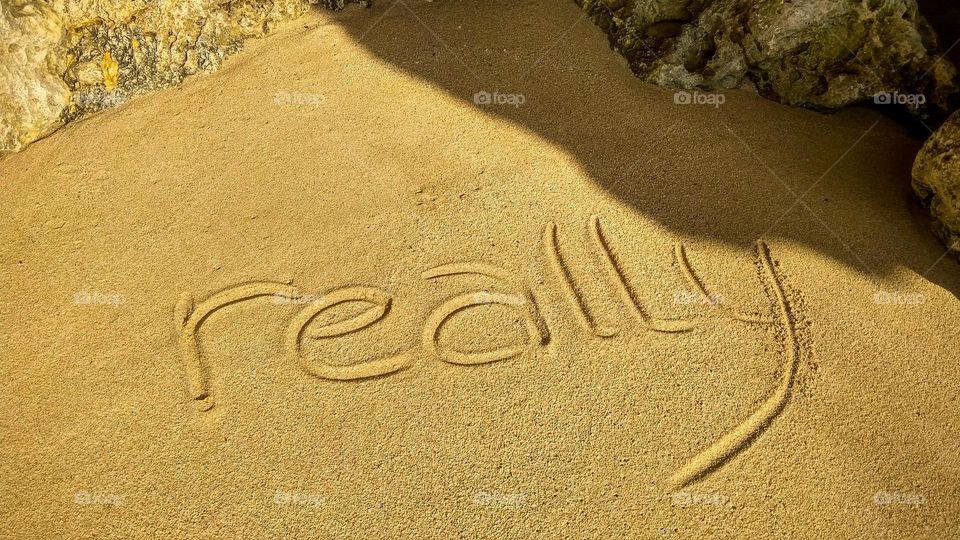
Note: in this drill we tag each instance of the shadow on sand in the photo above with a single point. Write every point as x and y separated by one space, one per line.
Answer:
838 184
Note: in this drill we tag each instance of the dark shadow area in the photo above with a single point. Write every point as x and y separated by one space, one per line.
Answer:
944 17
850 170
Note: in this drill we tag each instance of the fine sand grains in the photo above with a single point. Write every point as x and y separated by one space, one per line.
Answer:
334 291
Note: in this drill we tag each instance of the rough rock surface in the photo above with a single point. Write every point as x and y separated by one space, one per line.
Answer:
62 59
936 179
32 94
822 54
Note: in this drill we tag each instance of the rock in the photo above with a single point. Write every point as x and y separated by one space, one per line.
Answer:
143 45
936 179
62 59
32 94
823 54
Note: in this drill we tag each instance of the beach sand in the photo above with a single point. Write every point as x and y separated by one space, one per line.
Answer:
324 293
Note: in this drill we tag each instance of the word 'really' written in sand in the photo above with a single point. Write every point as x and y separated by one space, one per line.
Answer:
506 290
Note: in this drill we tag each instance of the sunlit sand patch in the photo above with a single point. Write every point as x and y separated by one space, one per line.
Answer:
323 292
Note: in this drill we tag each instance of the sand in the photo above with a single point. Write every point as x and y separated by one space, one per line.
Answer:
322 293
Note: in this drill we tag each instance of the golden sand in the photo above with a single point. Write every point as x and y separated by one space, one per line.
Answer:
324 293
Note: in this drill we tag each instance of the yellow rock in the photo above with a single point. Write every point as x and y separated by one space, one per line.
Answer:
160 41
110 70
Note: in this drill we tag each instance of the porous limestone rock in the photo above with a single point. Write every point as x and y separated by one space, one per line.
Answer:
822 54
936 179
61 59
32 94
